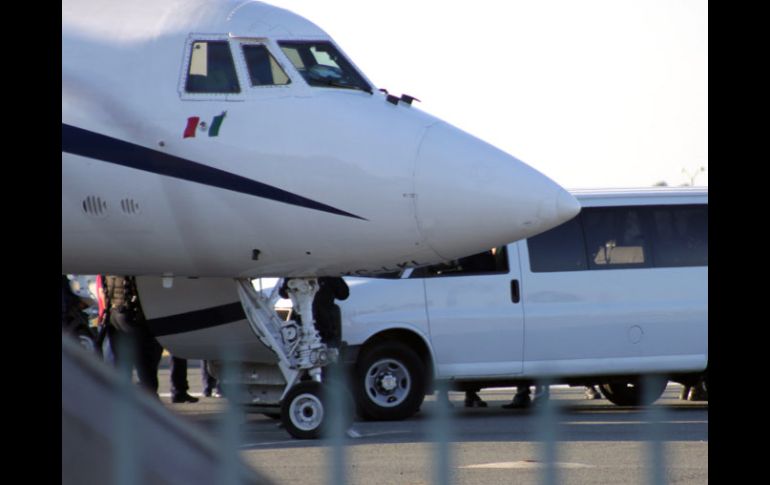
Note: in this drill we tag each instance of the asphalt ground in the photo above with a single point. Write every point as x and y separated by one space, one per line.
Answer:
596 441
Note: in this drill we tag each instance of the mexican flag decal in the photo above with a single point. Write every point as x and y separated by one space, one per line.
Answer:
192 124
216 123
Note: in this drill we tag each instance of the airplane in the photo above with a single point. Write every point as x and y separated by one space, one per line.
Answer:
206 143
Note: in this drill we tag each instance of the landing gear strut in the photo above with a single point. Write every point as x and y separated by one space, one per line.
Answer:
300 356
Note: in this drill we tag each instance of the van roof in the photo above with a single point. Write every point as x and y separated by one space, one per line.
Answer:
640 192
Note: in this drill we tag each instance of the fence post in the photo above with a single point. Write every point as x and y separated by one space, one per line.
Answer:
547 426
655 419
231 385
338 409
126 463
440 435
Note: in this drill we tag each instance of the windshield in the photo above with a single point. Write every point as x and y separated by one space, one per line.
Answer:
322 65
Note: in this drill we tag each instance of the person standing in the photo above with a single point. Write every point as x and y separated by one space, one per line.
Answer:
69 303
327 315
102 323
128 330
522 399
473 400
179 384
210 383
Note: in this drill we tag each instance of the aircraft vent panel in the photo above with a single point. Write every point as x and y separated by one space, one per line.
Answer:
95 206
129 206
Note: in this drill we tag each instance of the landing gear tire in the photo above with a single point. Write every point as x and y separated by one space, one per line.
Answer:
389 382
633 393
303 411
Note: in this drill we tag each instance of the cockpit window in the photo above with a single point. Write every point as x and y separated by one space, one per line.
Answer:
263 69
322 65
211 69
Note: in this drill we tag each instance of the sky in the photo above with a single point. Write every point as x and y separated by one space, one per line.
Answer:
592 93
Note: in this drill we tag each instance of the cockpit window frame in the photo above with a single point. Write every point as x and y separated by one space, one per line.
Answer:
297 84
280 44
181 88
243 68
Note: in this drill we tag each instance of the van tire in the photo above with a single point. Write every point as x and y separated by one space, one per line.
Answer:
632 393
389 382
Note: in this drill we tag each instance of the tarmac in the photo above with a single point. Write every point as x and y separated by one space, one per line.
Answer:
594 441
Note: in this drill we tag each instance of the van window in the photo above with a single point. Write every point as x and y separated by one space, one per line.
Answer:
392 275
680 236
211 68
263 69
560 249
493 261
615 238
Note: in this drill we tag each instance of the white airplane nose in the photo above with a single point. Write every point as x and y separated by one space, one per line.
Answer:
566 203
471 196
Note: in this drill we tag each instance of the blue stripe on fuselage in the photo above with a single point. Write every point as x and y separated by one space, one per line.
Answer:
112 150
196 320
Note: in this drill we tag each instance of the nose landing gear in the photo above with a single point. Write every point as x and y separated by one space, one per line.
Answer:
300 355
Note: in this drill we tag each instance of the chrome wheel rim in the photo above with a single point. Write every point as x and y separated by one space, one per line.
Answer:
388 383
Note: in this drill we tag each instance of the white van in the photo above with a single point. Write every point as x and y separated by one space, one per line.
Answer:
618 292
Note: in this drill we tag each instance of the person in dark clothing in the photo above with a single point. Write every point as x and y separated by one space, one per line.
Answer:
69 303
473 400
327 315
128 330
522 399
210 383
179 384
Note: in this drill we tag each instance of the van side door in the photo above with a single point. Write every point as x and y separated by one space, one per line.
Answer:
476 328
618 290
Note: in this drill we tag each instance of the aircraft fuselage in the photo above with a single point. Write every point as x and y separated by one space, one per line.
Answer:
290 180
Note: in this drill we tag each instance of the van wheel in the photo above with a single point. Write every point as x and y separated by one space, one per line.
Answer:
633 393
389 382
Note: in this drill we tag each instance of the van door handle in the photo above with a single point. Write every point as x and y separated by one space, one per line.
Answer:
515 295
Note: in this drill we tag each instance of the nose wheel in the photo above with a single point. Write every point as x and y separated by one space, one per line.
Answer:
303 411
